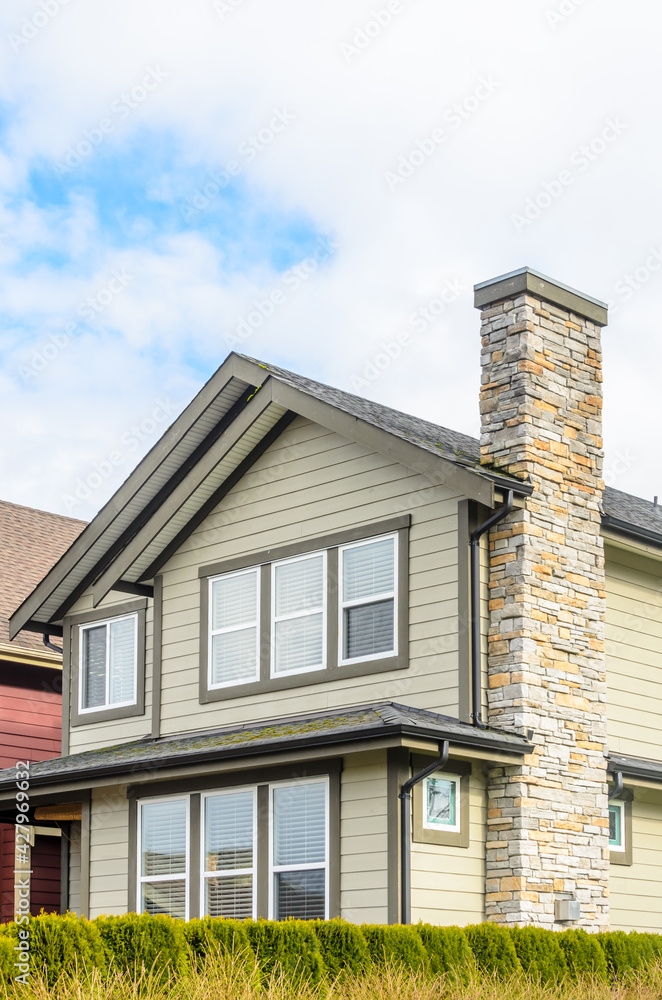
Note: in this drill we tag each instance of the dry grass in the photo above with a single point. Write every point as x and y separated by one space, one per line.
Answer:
230 979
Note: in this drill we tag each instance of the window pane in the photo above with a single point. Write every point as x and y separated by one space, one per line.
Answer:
299 824
229 831
369 629
234 656
231 896
299 894
122 661
234 600
441 804
299 644
165 897
615 826
94 667
163 838
299 585
368 569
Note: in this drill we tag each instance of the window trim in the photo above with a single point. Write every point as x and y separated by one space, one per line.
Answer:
455 780
334 670
623 856
342 605
204 875
211 633
299 614
106 623
72 628
313 866
152 800
440 837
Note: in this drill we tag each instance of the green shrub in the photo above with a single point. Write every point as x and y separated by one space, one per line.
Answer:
217 934
583 954
343 947
290 945
447 949
653 941
62 944
397 943
492 948
141 941
539 953
626 952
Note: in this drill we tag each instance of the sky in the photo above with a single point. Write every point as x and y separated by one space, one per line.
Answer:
318 185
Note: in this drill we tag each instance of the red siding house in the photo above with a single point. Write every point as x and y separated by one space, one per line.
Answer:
31 542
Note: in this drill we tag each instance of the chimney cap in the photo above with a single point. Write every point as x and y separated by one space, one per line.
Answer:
526 280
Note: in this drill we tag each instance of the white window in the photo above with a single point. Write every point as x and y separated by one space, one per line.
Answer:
299 851
368 599
229 853
441 802
163 857
234 635
617 826
108 663
298 615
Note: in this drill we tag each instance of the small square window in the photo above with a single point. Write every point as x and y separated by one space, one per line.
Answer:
441 803
617 826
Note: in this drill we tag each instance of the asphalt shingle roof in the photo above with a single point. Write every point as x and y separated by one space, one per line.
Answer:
379 719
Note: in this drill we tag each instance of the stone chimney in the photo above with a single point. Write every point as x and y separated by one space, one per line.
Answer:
541 402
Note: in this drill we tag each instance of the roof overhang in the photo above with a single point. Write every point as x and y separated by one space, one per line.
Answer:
637 770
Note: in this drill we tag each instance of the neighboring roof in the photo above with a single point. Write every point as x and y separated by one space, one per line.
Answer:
217 438
364 722
30 542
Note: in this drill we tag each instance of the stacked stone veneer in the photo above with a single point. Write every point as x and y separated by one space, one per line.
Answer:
541 417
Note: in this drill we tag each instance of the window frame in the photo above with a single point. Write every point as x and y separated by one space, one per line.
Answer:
274 620
140 879
72 641
456 781
619 807
106 623
342 604
273 870
205 875
212 632
334 668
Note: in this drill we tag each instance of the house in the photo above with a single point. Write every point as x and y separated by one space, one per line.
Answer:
322 657
30 688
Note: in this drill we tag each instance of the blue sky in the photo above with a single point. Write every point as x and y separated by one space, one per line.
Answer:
162 169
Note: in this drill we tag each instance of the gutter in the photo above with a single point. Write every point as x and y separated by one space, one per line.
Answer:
632 767
632 530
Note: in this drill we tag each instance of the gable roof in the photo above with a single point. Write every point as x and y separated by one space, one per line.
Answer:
30 542
238 413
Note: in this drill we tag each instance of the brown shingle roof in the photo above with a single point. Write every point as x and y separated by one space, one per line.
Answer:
31 541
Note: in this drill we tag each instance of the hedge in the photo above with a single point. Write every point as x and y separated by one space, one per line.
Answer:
162 946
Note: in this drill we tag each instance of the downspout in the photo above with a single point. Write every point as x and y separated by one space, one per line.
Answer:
405 829
618 786
50 645
476 695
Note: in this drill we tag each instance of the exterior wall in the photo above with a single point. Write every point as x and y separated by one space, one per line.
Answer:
363 838
541 418
448 883
109 851
74 866
309 483
636 889
30 713
634 653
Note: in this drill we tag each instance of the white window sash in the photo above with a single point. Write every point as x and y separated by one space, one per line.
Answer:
276 619
372 599
310 866
226 873
443 827
81 664
620 806
146 879
214 686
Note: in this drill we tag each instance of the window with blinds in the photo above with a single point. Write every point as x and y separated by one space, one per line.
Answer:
108 663
298 607
234 641
299 850
368 599
163 857
229 853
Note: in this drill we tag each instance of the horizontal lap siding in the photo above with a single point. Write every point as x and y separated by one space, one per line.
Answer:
448 883
109 851
309 483
634 654
74 866
363 839
30 714
636 890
